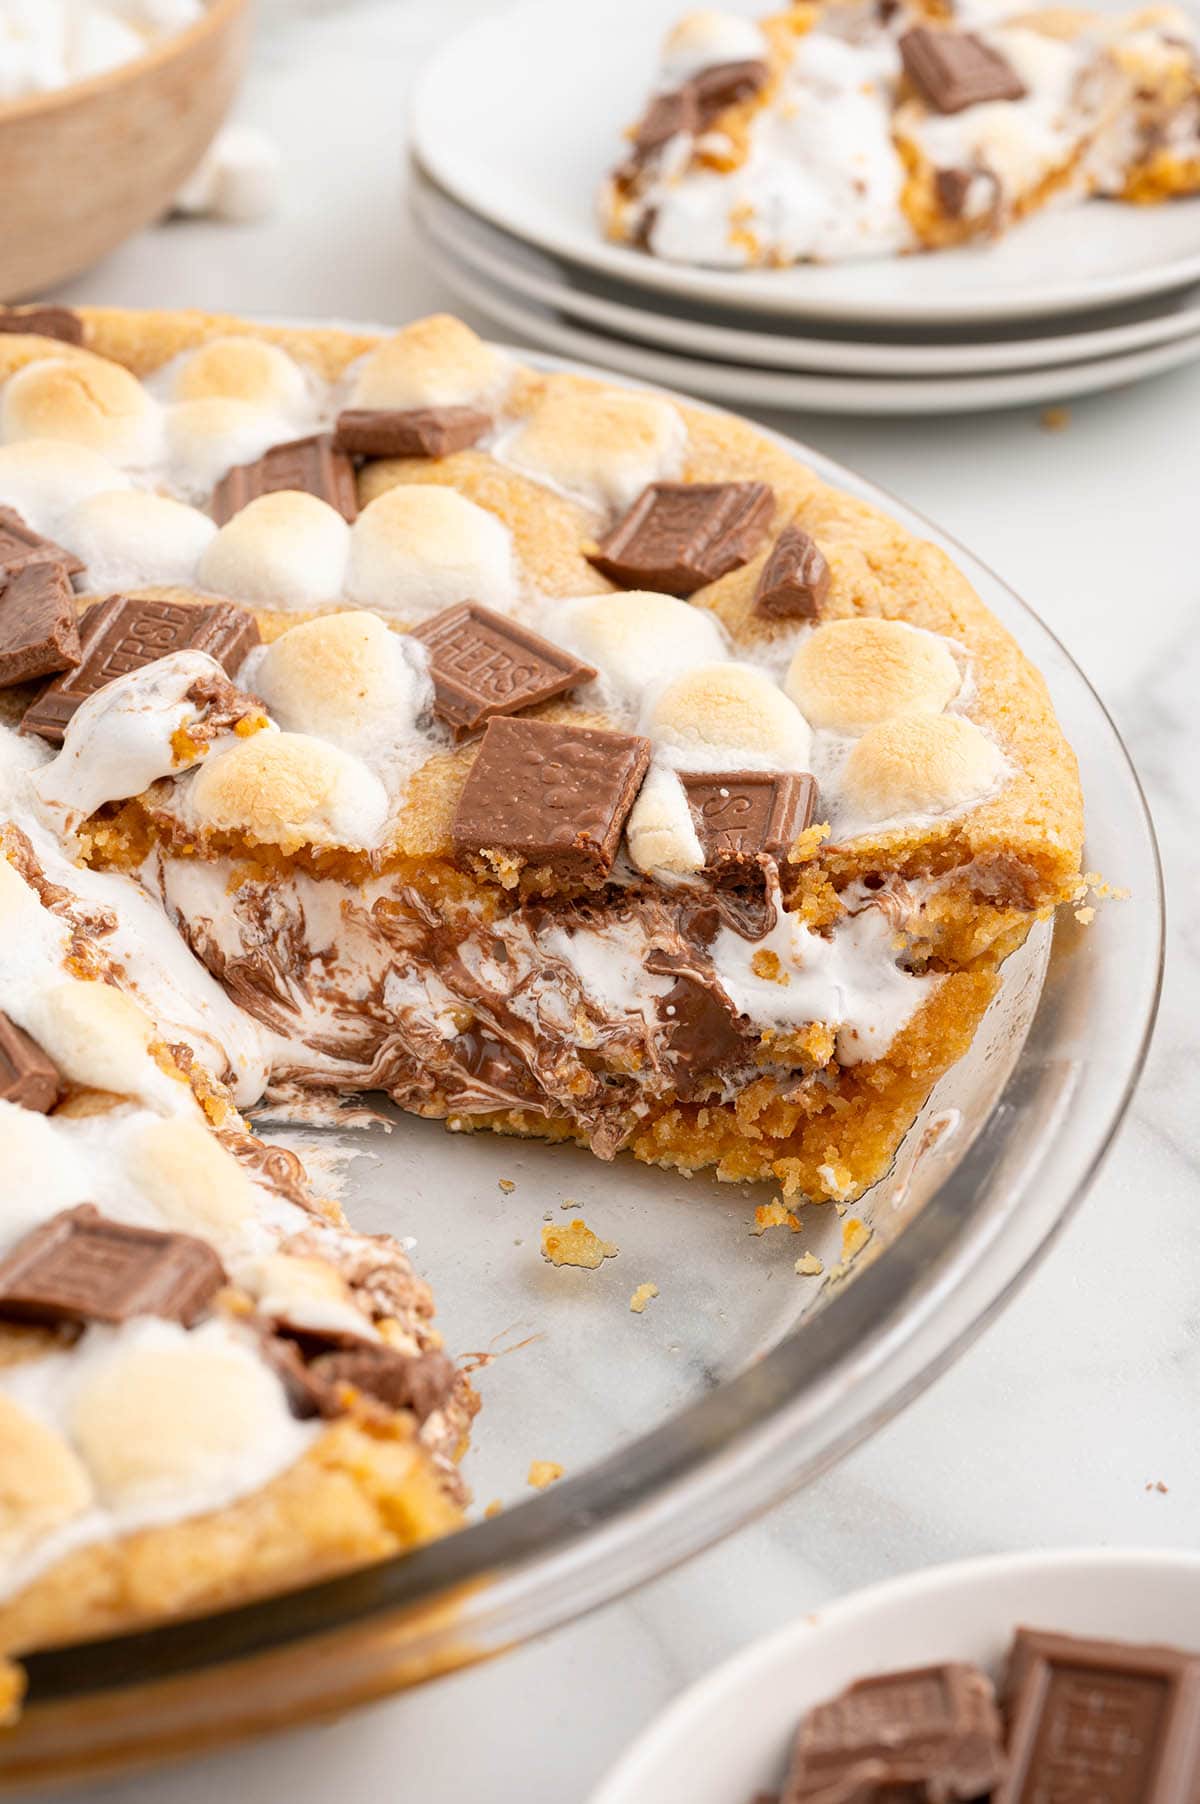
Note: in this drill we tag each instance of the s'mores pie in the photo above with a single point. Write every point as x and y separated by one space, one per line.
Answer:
861 128
554 760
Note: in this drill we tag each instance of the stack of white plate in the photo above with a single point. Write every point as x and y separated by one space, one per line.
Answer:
515 122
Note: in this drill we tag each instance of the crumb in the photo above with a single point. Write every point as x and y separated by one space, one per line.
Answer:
576 1245
842 1208
493 1508
1085 916
855 1235
641 1297
543 1472
569 1202
1055 419
507 1185
837 1181
774 1215
1157 1485
809 1266
765 964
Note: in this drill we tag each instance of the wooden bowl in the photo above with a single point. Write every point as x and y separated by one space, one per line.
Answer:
90 164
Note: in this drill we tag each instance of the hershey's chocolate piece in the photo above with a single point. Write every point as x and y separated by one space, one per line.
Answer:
20 545
39 633
952 187
665 117
27 1076
81 1267
743 816
1101 1721
724 85
45 322
484 664
678 536
702 1031
412 432
935 1728
310 464
120 635
794 581
420 1382
551 795
694 106
952 70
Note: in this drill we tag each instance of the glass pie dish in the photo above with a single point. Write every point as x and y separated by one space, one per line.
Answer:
739 1382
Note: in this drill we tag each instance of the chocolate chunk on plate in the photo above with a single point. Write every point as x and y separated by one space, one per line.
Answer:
678 536
44 322
312 465
544 794
39 633
411 432
664 119
724 84
81 1267
120 635
19 545
27 1077
952 70
794 581
483 664
743 816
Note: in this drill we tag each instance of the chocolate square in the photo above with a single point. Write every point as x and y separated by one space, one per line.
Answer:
20 545
666 116
120 635
551 795
952 70
678 536
309 464
81 1267
27 1076
483 664
724 84
794 581
409 432
43 322
744 816
39 633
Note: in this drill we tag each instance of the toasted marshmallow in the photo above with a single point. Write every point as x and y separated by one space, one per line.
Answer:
307 1293
42 1172
205 438
703 39
850 674
601 448
719 713
285 550
241 369
343 677
43 1483
435 362
290 790
661 832
919 764
97 1036
159 1411
636 638
130 539
192 1181
86 401
44 479
421 547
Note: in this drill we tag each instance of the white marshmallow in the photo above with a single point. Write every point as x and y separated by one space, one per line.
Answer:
344 677
192 1181
285 550
705 38
85 401
97 42
42 1482
290 790
918 764
661 832
241 368
237 179
44 479
421 547
205 438
130 539
719 715
42 1172
600 447
635 638
96 1035
849 674
435 362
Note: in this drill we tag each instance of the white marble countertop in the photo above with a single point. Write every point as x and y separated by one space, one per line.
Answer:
1087 1390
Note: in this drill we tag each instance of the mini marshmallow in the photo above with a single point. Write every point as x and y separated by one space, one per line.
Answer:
237 179
44 479
435 362
130 539
285 550
289 789
192 1181
42 1481
919 764
307 1293
343 677
42 1172
661 832
600 447
850 674
161 1410
205 438
96 1035
97 42
719 714
242 369
706 38
421 547
86 401
635 638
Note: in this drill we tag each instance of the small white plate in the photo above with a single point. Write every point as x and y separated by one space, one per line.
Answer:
728 1737
742 386
521 115
539 277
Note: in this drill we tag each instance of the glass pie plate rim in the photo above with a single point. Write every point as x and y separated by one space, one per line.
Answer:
754 1437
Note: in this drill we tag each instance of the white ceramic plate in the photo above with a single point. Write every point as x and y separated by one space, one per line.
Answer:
742 385
520 116
728 1737
658 320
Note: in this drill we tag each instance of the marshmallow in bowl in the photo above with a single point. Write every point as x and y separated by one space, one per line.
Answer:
43 480
436 362
422 547
705 39
636 637
601 447
848 675
129 538
285 550
720 713
86 401
919 764
49 44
